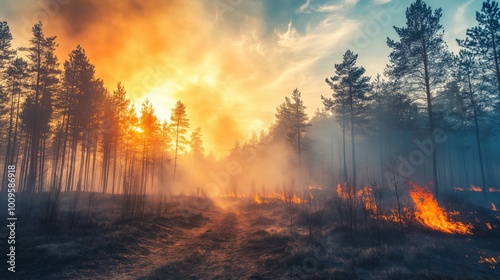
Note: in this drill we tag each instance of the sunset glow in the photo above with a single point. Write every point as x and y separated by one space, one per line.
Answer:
230 62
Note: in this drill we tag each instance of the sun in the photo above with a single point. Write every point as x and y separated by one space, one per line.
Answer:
162 98
137 129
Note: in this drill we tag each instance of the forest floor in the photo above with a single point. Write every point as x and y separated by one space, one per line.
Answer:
229 238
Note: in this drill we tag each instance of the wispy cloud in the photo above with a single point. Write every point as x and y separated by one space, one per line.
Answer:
303 8
308 7
380 2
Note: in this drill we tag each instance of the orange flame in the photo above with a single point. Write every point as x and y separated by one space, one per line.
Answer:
493 207
275 198
492 261
233 195
429 213
368 200
475 189
314 188
345 192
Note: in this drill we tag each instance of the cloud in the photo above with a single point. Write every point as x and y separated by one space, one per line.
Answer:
381 2
230 71
303 8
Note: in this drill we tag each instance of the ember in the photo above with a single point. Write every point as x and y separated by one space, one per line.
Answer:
491 261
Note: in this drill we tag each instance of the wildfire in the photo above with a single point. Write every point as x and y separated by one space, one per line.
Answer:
493 207
475 189
345 192
429 213
275 198
314 188
233 195
492 261
368 200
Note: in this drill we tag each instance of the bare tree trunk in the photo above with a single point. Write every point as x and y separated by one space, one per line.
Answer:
431 115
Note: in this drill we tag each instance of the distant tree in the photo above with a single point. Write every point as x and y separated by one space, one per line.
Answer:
179 124
120 103
150 126
349 102
293 121
116 105
196 143
421 60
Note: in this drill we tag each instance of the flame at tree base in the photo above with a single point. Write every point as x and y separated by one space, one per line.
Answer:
429 213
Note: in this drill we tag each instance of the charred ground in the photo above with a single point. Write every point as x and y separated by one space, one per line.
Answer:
234 238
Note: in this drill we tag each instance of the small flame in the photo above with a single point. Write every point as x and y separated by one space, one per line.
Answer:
256 199
493 190
314 188
345 192
429 213
368 200
493 207
475 189
488 225
492 261
275 198
233 195
458 189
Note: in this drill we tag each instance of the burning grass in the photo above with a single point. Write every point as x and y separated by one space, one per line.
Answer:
276 198
429 213
426 210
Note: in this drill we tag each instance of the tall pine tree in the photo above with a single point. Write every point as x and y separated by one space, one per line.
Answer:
420 59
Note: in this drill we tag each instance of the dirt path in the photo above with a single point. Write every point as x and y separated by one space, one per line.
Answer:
221 248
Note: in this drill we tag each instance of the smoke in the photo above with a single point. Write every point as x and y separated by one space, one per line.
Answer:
223 61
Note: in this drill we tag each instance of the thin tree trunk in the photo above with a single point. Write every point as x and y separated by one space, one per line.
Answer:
431 116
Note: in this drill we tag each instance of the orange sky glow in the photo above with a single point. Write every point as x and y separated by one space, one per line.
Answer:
231 62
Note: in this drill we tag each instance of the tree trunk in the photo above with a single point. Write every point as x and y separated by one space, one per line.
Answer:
431 116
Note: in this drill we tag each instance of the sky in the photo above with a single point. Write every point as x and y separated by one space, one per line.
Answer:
231 62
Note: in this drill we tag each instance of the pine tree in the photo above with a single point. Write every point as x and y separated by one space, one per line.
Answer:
37 109
6 55
196 144
80 104
349 102
179 124
421 60
16 82
470 76
292 120
484 41
150 126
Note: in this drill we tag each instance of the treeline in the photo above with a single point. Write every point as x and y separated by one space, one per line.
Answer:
65 131
432 117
